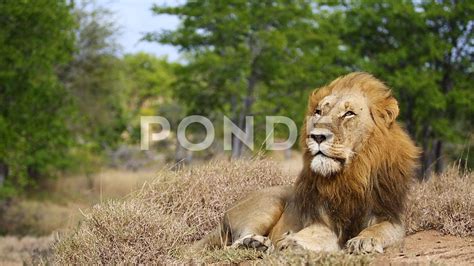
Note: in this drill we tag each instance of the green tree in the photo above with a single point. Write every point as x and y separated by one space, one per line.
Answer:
249 57
95 79
149 82
424 50
35 37
109 91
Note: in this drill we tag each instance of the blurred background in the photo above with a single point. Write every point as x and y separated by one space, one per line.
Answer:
75 77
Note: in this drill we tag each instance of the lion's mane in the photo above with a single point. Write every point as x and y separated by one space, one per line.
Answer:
378 177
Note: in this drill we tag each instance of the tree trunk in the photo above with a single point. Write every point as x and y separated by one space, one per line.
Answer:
235 119
426 155
255 47
236 147
409 117
438 152
425 162
237 144
3 173
447 85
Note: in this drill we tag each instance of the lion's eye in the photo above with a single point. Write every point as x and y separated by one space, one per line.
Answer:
349 114
317 112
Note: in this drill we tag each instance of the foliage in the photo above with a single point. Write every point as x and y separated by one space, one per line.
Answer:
149 91
247 57
35 37
261 58
110 91
424 51
68 96
95 79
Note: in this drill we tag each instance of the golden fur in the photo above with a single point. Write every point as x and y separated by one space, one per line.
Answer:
359 207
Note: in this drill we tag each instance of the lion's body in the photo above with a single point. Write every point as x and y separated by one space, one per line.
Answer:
354 196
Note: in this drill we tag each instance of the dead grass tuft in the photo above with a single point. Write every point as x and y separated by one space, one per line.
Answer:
155 224
444 203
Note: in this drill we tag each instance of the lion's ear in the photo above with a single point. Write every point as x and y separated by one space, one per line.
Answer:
313 100
390 110
317 95
385 111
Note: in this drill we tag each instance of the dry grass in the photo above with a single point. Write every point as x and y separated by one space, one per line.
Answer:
56 206
444 203
30 250
175 209
35 218
105 184
155 224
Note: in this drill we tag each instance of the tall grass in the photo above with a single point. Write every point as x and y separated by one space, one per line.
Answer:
443 203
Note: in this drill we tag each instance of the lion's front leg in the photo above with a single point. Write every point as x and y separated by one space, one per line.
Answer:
316 237
375 238
250 220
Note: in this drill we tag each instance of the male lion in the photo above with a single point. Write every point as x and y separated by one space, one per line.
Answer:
358 164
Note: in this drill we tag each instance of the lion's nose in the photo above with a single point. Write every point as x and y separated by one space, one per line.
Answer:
318 138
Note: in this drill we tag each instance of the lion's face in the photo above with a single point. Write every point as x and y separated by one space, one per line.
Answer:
338 127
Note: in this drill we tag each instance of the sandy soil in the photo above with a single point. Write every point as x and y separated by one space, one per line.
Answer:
424 248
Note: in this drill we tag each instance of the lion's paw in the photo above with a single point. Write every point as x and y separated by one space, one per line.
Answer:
258 242
364 245
290 242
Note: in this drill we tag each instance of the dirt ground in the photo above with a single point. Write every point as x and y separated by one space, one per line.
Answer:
424 248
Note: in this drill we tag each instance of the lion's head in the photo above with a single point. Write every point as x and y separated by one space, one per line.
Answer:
338 127
351 140
342 117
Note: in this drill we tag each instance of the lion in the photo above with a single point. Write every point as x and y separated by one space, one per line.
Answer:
351 193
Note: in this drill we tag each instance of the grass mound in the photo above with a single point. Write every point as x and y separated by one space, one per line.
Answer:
155 224
177 208
443 203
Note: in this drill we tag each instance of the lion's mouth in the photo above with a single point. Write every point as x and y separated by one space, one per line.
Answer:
340 160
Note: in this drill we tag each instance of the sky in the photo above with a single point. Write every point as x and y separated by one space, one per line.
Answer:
135 18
